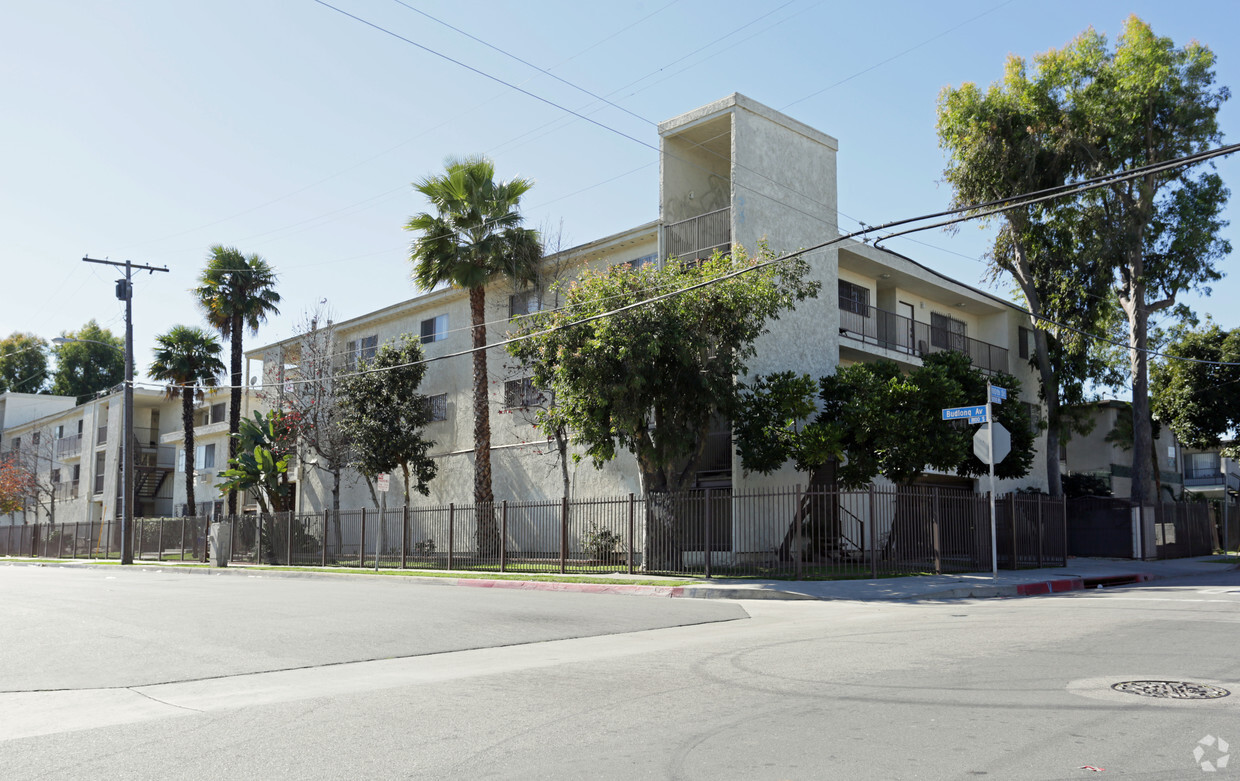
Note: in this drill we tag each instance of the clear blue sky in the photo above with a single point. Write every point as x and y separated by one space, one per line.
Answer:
151 130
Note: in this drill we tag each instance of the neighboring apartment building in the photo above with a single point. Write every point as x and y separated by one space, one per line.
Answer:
1106 453
732 172
1207 473
74 453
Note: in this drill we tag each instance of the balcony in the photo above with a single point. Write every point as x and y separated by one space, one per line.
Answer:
69 446
699 237
101 435
890 331
66 491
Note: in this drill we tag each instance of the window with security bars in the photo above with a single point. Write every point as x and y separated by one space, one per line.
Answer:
522 393
434 329
948 333
854 298
361 350
438 406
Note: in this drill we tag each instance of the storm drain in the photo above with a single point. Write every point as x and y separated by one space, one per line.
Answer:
1172 690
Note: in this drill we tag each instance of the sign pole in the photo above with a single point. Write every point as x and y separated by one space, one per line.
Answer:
990 435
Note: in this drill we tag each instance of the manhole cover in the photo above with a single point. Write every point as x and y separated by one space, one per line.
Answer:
1172 690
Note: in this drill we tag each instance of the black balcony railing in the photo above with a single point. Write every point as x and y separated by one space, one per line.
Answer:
891 331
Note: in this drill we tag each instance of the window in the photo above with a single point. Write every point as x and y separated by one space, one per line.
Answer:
524 303
1025 343
435 329
637 263
361 350
854 298
438 405
80 426
59 432
56 476
180 459
948 333
204 457
77 472
35 436
17 444
218 412
1198 466
1034 411
522 393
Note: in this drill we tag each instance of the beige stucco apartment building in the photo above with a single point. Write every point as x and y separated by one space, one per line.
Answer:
731 172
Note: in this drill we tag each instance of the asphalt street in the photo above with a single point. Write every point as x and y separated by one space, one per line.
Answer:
128 674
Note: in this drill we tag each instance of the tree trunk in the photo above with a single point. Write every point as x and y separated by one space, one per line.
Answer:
337 540
187 421
234 407
1046 375
484 496
1142 436
1050 394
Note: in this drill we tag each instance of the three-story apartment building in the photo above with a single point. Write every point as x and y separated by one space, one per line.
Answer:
732 173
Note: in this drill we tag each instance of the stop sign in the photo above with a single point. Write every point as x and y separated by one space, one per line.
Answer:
981 443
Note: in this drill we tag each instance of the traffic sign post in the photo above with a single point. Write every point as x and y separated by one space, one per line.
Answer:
991 444
990 450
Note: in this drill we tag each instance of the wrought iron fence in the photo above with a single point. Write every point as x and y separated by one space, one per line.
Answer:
789 533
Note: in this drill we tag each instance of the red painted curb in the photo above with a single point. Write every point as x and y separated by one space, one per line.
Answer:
584 588
1049 587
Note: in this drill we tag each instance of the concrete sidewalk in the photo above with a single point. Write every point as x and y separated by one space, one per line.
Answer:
1079 574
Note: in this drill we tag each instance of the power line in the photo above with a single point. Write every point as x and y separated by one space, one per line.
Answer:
969 212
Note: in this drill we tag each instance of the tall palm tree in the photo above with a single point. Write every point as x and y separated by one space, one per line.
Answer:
188 359
474 237
236 292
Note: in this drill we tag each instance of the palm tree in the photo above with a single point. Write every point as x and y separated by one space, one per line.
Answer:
474 237
187 358
236 292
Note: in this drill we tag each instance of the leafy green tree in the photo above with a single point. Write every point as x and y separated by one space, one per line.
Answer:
652 379
264 448
23 363
474 237
873 419
187 358
1145 102
1008 140
92 363
879 420
236 292
384 416
1199 397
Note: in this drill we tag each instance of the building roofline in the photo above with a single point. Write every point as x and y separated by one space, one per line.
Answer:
401 308
977 291
737 100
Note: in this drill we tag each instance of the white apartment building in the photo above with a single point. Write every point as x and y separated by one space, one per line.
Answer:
732 172
74 452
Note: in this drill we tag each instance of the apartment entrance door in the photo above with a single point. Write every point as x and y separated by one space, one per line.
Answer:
908 340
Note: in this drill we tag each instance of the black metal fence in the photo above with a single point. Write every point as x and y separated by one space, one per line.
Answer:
780 533
1104 526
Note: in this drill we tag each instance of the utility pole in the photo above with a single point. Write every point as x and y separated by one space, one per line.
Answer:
124 292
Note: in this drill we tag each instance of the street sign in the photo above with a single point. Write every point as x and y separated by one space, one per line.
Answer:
997 395
981 443
981 419
957 413
383 481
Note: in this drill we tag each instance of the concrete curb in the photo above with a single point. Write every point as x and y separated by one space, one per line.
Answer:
1056 585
